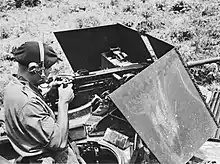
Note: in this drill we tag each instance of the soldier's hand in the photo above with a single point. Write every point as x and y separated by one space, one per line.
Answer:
66 94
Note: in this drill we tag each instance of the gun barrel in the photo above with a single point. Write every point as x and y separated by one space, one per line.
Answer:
203 61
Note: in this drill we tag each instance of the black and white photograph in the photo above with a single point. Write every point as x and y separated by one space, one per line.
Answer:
109 82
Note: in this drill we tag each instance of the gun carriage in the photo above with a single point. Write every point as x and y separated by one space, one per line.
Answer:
121 80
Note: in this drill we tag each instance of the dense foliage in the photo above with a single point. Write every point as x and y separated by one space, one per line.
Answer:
191 26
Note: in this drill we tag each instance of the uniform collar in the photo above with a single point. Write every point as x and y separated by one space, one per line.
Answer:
26 83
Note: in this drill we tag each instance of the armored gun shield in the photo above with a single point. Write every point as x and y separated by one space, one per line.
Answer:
167 111
83 47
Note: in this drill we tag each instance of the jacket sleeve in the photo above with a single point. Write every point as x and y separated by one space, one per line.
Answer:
41 127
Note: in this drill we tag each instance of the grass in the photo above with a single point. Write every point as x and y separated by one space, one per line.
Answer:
191 26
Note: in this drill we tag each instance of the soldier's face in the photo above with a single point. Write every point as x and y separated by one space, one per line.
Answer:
38 79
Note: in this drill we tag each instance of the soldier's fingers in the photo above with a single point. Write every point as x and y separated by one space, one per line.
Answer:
70 85
61 86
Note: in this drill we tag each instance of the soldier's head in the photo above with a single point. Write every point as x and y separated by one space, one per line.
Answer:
35 60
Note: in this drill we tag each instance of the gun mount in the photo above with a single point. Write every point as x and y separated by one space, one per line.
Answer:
149 103
96 82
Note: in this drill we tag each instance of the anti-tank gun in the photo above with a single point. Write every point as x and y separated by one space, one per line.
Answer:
138 114
156 114
87 84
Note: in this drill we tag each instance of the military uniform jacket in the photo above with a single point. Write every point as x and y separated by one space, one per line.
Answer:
30 123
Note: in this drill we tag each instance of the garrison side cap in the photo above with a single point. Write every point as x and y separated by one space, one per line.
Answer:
83 47
30 52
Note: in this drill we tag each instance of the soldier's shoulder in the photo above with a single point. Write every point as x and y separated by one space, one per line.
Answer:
15 92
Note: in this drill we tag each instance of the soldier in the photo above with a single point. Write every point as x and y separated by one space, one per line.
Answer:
31 126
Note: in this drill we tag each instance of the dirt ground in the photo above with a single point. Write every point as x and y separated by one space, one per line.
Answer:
210 151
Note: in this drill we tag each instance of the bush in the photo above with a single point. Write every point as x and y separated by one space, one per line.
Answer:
85 22
10 4
180 7
182 35
145 26
4 34
160 6
7 56
210 10
148 25
28 3
6 5
206 74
